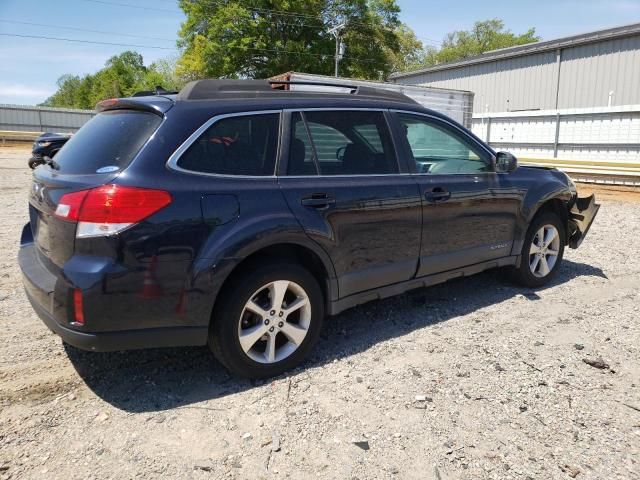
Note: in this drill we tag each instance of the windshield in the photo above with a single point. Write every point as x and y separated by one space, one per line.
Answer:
107 143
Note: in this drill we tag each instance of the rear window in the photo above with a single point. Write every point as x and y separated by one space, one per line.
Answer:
238 145
107 142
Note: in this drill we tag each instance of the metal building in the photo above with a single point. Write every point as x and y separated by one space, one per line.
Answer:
596 69
573 102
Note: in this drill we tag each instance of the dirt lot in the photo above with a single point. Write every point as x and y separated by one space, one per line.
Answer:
472 379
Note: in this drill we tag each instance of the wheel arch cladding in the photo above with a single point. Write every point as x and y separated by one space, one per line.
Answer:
550 196
291 252
558 206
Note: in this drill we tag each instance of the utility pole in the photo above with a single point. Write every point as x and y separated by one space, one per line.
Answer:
335 31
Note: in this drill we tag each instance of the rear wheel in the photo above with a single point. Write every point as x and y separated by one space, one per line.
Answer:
542 251
267 320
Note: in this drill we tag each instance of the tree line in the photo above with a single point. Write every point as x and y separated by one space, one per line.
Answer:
232 39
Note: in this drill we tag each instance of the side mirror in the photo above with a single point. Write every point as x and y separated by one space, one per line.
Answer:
506 162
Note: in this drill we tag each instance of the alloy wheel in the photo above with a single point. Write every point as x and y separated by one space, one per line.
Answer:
274 322
544 251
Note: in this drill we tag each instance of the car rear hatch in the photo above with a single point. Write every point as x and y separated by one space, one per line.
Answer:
93 157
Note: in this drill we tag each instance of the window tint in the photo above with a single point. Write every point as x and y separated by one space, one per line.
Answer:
342 143
438 150
301 161
369 134
327 140
244 145
108 141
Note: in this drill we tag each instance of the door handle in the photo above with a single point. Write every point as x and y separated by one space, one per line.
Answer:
319 201
438 194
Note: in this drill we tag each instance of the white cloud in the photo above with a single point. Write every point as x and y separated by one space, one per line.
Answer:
17 90
23 94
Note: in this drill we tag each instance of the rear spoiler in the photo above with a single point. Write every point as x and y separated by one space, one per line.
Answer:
158 105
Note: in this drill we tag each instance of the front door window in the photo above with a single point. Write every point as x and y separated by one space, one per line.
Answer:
441 151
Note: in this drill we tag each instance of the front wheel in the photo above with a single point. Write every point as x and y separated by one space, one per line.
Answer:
267 320
542 251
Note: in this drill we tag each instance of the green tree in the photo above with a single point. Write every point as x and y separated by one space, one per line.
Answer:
68 93
484 36
238 39
121 76
411 53
161 73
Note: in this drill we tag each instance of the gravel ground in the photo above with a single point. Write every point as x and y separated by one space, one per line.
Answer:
472 379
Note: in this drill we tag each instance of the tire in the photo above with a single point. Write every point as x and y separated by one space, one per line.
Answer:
291 335
531 272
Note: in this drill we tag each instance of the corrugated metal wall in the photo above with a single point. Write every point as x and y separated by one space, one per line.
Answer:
513 84
22 118
588 73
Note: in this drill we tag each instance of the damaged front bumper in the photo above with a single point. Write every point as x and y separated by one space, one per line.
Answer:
581 217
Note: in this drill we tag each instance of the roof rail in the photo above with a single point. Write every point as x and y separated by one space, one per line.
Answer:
286 83
214 88
355 89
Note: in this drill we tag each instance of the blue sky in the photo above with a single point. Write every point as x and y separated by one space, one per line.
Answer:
30 67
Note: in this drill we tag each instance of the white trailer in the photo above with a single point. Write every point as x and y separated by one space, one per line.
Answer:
456 104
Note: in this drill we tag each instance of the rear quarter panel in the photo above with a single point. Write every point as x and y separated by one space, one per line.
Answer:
200 238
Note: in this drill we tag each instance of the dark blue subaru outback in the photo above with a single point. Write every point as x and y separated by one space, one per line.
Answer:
238 213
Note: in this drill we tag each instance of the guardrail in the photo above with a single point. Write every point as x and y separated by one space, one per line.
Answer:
12 136
592 172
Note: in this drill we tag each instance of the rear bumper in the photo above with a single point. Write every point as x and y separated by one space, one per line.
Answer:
124 340
581 218
41 286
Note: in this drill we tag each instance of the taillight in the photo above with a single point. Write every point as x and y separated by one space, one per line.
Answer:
109 102
69 206
78 308
109 209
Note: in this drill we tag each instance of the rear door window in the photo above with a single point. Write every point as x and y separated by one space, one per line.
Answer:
341 143
301 158
239 145
107 143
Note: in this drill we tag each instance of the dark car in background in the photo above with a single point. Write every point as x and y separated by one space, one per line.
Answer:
46 146
237 215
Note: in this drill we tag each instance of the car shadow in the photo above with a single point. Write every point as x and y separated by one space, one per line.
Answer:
160 379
